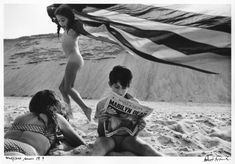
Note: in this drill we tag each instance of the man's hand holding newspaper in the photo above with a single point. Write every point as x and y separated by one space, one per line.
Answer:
122 116
103 116
141 124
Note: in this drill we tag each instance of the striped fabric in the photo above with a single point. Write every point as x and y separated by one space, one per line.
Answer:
29 127
20 147
162 33
36 129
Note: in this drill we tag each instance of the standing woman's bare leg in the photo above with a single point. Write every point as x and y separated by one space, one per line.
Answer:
69 78
65 97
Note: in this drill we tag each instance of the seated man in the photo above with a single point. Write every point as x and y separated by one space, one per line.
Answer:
119 82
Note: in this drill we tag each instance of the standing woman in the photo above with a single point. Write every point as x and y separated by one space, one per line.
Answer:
72 30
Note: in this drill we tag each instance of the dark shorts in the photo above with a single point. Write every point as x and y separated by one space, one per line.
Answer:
118 139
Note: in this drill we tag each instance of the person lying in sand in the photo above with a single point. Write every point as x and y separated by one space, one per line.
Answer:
35 132
119 81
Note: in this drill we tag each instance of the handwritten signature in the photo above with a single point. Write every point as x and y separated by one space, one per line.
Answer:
24 158
217 158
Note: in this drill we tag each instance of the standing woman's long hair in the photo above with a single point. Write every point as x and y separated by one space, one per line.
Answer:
48 103
67 12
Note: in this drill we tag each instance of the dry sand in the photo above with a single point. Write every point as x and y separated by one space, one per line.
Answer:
175 129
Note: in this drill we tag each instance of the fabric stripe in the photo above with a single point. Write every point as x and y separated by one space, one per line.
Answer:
195 34
149 47
11 145
175 17
176 41
149 57
208 9
29 127
162 33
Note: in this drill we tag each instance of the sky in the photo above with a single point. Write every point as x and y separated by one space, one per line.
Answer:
30 18
26 19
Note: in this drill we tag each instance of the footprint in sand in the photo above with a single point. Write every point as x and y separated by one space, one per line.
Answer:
209 143
178 116
177 128
224 135
206 122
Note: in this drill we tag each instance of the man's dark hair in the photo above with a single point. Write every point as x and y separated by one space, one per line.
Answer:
120 74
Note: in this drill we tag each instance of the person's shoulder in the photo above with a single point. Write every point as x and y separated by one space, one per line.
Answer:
99 107
101 103
71 32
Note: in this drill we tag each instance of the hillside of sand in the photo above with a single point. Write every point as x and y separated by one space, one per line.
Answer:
37 62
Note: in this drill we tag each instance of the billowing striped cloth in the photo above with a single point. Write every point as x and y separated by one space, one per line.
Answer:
161 33
11 145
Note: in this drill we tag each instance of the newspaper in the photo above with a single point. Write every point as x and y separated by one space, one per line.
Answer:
124 115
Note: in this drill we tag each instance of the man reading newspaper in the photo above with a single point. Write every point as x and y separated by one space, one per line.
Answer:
124 115
120 118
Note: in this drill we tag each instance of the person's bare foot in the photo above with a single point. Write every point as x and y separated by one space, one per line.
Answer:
82 150
87 112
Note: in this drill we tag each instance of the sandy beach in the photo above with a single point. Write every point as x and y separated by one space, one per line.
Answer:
174 129
192 110
192 113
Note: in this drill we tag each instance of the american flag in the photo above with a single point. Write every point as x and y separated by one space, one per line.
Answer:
161 33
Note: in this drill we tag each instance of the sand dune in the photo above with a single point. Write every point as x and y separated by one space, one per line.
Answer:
37 62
